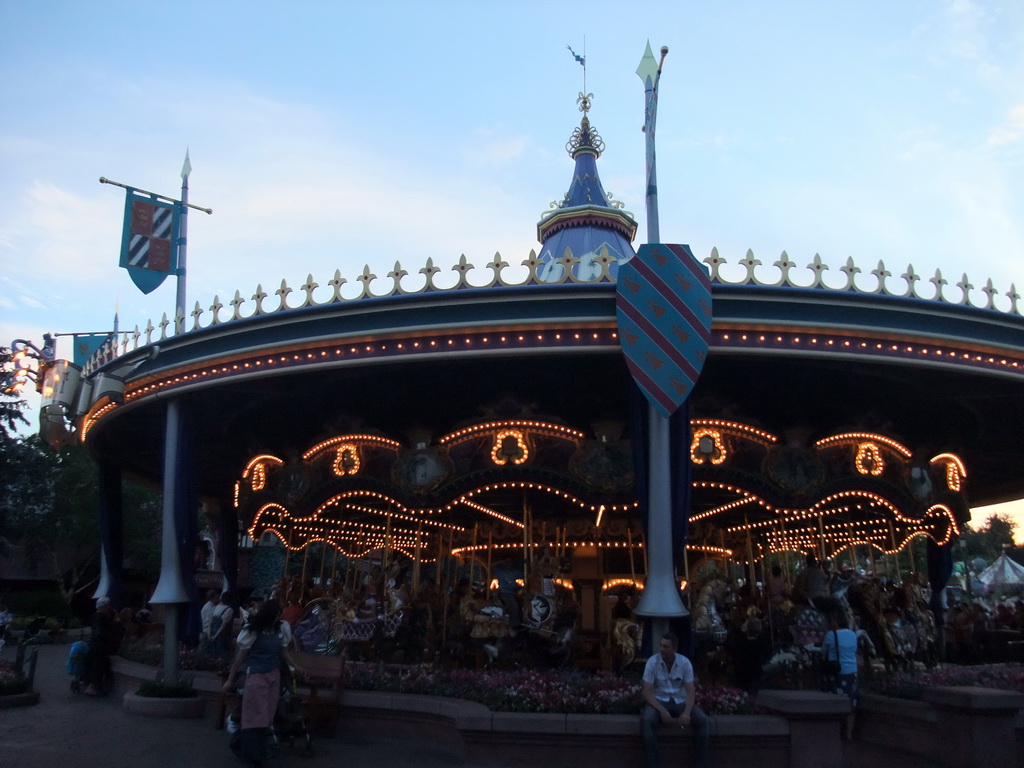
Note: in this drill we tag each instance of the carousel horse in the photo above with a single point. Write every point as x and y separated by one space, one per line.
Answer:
903 636
627 635
707 620
546 636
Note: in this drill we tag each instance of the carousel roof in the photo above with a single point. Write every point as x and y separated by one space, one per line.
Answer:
849 409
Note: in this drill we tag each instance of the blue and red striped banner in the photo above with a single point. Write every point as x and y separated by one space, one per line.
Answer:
663 308
149 241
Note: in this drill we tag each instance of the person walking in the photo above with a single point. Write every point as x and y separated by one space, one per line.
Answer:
840 646
262 647
103 641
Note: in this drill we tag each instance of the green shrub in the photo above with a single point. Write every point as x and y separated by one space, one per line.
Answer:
11 682
39 602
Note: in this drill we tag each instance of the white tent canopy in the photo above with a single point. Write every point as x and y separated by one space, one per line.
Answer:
1003 572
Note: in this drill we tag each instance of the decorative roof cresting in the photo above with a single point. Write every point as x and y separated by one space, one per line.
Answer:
907 285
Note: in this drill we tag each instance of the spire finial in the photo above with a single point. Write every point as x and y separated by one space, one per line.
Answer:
584 101
585 138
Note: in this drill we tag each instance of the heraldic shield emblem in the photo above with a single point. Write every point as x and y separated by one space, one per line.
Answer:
663 308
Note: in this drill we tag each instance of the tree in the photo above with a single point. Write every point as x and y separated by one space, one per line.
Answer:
990 539
12 452
49 507
55 515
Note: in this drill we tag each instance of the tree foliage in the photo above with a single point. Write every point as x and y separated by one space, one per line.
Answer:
987 540
49 508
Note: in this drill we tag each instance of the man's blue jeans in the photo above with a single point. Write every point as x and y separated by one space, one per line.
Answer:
650 720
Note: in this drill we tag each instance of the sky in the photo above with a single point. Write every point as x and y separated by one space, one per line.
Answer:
332 135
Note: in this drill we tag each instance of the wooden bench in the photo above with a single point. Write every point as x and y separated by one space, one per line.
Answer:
324 677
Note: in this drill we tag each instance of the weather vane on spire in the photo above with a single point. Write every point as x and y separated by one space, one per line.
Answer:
582 60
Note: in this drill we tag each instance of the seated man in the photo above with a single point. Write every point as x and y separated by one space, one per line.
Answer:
669 698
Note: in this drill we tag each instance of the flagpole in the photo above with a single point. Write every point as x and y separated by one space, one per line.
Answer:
186 169
170 589
651 75
660 600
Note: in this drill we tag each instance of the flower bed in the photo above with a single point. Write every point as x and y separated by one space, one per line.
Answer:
563 691
910 685
150 650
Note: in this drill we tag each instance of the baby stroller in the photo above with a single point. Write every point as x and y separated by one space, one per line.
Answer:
289 720
77 665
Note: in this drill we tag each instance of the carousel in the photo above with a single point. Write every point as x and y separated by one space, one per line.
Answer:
444 457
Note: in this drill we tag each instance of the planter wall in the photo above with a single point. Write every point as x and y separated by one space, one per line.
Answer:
954 727
958 727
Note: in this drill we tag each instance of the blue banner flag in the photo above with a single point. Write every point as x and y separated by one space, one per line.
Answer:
581 59
86 345
149 242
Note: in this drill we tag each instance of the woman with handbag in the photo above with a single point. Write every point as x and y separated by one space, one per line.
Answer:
839 649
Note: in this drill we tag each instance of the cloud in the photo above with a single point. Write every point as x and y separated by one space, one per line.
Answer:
1010 131
61 234
966 38
489 147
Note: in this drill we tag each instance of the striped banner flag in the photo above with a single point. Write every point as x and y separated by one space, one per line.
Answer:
663 308
149 241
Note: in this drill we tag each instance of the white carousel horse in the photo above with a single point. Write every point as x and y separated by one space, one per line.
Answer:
706 618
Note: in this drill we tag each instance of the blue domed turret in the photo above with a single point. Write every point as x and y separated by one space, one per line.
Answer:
586 221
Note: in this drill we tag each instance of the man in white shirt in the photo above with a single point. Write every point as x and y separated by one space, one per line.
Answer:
669 699
206 612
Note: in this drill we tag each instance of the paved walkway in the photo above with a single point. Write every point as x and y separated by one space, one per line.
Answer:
67 729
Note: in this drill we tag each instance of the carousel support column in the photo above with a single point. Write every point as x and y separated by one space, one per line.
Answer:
440 555
323 560
786 570
302 584
287 556
895 552
751 580
526 543
472 559
766 569
450 564
111 515
661 599
629 540
821 536
490 549
334 566
416 560
386 565
871 558
170 589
